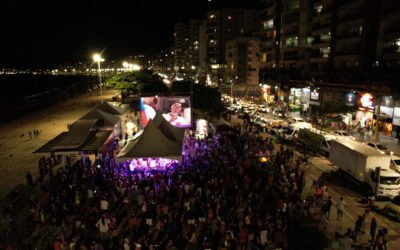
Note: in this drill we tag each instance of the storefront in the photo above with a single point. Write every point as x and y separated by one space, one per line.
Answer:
267 95
364 114
385 120
299 99
396 119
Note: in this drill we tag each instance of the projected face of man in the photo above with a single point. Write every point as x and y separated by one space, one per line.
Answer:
176 109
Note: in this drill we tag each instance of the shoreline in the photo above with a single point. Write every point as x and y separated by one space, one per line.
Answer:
16 147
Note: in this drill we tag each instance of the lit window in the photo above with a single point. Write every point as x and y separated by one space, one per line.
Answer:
318 9
268 24
325 52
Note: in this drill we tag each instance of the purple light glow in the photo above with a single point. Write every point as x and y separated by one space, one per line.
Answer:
149 164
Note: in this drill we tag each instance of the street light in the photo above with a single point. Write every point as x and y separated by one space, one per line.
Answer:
125 65
97 58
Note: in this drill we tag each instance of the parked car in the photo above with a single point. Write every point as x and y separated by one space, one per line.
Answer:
343 134
279 114
380 147
299 123
290 133
263 109
395 163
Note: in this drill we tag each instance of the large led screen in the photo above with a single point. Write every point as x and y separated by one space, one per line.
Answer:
175 109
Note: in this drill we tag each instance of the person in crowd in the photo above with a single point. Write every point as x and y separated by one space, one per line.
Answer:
340 208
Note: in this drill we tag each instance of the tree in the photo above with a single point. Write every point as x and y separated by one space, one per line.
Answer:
150 83
205 98
181 87
125 80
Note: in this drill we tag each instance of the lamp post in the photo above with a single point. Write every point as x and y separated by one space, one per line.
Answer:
97 58
231 92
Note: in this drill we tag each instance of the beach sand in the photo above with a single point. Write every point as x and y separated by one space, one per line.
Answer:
16 147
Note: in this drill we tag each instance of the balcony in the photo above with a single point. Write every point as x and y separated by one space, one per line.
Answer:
389 7
352 51
320 44
294 32
318 59
321 17
391 49
321 2
290 55
321 25
292 17
346 35
321 31
349 16
393 31
391 56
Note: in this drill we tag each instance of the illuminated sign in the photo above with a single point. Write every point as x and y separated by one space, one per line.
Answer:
366 101
265 88
314 95
350 99
396 117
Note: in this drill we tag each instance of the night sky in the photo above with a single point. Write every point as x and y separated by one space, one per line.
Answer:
39 33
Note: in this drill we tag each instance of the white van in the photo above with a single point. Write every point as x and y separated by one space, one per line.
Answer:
290 133
395 163
299 122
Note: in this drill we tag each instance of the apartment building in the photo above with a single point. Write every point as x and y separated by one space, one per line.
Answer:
388 46
242 60
181 40
189 37
285 37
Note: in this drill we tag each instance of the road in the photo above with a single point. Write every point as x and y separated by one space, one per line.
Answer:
342 186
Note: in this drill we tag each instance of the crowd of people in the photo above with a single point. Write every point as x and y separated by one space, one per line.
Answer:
218 197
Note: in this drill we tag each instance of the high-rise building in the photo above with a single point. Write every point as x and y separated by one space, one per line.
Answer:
285 38
388 47
181 40
224 25
242 60
189 46
313 40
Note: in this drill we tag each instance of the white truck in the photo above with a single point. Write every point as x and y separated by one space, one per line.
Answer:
366 165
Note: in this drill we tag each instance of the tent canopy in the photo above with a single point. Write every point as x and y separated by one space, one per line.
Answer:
80 137
169 130
77 134
152 143
108 120
110 108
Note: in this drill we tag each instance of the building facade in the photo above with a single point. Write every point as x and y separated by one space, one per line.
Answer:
242 60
